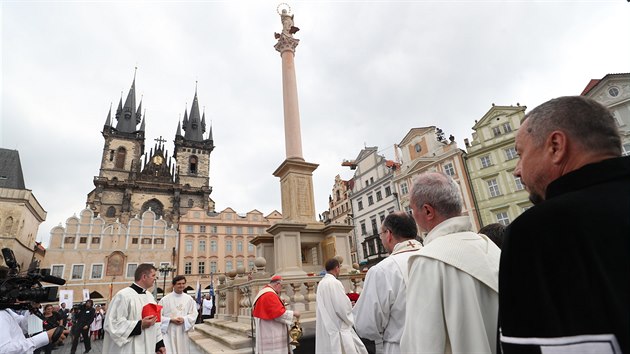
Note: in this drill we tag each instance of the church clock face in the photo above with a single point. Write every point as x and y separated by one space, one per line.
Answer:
158 160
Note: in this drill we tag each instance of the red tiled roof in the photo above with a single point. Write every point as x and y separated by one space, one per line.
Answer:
590 86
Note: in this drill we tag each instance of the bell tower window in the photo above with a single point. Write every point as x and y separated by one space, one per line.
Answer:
111 212
121 154
193 164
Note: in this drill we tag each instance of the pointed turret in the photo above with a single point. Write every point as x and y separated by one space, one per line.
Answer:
203 121
139 112
210 134
127 121
119 109
108 121
179 129
185 121
193 126
142 126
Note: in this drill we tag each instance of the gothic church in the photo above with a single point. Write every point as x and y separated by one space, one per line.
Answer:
130 180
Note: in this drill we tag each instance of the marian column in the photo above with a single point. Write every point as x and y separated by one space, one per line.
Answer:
296 175
299 244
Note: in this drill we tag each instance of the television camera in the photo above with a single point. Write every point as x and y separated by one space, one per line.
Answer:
19 291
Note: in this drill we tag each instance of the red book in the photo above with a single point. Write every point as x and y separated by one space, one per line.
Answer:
152 310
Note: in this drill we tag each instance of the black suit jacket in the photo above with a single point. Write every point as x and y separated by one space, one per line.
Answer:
565 263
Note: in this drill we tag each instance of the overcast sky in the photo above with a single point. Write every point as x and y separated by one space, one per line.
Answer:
367 72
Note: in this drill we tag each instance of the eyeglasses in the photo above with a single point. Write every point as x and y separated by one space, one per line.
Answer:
383 232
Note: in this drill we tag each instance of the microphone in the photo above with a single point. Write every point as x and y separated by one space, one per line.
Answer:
52 279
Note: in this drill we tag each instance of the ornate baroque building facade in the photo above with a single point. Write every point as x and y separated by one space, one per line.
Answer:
613 91
340 211
424 150
491 159
372 197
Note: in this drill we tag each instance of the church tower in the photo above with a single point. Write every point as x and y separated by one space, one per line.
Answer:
132 181
192 152
124 141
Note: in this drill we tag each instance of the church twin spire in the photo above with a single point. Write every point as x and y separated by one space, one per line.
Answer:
128 117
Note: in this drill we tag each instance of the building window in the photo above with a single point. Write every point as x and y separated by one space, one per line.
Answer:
189 228
239 230
502 218
388 191
68 239
228 266
134 240
228 246
518 183
239 263
250 230
96 240
510 153
121 154
213 229
239 246
158 241
381 216
213 246
82 239
250 264
626 149
408 210
202 245
379 196
485 161
111 212
496 131
201 266
77 271
57 271
228 230
213 267
449 169
193 164
493 187
202 229
403 188
363 228
507 127
188 268
146 241
97 271
131 270
370 200
360 204
250 247
189 245
374 226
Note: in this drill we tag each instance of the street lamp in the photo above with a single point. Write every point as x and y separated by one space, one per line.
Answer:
164 270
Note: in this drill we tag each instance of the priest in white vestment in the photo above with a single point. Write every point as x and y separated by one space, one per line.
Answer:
127 331
452 297
179 313
379 314
334 332
272 319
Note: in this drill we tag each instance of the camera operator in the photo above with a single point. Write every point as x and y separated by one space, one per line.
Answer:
12 339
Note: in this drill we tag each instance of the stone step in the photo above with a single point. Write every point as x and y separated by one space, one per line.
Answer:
234 327
225 335
207 345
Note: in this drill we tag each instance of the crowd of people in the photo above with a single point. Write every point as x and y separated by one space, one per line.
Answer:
554 281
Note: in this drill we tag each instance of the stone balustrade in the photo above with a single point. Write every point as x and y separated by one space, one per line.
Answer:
237 290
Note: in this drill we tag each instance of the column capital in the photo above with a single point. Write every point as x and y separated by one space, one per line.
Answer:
286 43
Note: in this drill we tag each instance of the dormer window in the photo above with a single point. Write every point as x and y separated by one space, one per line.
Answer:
121 154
